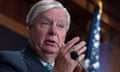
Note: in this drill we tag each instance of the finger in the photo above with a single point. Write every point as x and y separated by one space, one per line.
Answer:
79 45
62 47
82 50
71 43
81 58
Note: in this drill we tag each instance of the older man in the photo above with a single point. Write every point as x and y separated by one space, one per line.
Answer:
48 22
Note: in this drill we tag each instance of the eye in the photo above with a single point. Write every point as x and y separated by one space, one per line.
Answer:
61 26
44 24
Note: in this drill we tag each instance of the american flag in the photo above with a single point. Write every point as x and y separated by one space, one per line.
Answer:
92 63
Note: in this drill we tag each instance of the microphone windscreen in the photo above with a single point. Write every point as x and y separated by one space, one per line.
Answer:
74 55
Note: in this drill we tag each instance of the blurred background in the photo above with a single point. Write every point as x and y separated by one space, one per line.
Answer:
13 33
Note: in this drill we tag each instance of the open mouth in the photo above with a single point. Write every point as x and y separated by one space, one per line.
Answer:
50 42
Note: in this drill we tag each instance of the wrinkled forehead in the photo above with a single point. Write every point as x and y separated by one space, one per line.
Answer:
54 14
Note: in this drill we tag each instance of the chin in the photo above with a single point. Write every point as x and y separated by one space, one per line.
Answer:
51 49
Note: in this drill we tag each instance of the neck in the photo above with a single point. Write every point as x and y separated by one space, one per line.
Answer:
45 56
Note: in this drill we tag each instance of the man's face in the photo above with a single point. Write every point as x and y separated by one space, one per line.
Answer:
48 31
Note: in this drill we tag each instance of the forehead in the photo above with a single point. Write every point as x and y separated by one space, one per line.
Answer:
54 13
58 11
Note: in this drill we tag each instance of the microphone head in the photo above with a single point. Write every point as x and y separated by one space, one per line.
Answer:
74 55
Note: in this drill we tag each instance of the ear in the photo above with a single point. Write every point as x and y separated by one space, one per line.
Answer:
28 26
29 32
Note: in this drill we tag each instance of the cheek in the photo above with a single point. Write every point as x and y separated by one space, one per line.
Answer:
62 37
38 37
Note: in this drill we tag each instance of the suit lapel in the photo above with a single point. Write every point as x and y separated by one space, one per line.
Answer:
32 60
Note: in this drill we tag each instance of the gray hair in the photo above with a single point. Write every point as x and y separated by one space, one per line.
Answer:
42 6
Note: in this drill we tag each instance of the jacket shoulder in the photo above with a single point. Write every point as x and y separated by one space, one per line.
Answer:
13 59
14 56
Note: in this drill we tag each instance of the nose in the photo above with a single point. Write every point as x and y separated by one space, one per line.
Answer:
53 30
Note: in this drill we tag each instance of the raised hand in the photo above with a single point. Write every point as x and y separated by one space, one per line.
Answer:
64 62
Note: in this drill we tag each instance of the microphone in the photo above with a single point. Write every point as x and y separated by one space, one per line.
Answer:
74 55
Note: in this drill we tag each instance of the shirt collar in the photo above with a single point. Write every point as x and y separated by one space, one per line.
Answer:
45 63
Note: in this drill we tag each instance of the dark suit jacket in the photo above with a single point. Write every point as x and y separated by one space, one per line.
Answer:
20 61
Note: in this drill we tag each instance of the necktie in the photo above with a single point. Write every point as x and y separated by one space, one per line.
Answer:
49 67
